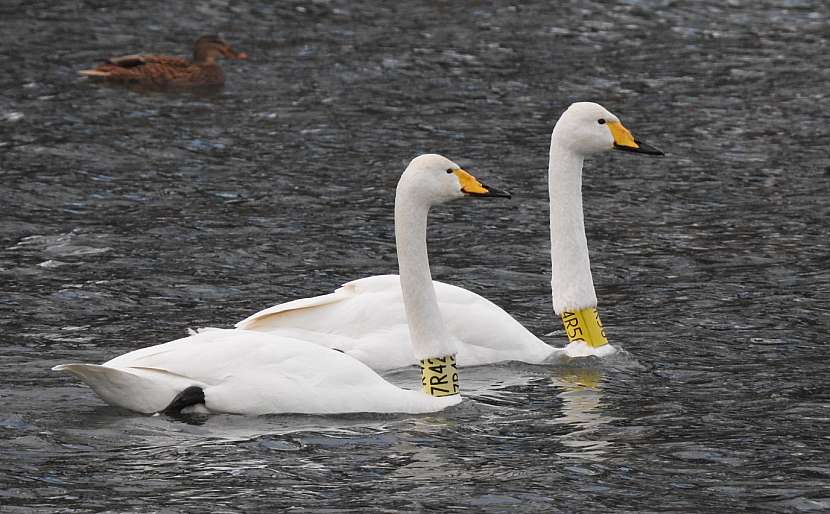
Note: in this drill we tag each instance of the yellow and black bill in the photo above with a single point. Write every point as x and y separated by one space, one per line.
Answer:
623 140
470 186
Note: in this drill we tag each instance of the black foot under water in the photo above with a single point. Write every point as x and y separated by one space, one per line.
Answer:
193 395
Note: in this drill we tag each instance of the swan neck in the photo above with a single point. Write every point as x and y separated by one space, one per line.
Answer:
572 286
430 338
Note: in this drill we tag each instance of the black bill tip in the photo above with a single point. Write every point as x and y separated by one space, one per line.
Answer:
643 148
492 192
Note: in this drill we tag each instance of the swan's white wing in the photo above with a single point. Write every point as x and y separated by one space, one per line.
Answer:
366 319
247 373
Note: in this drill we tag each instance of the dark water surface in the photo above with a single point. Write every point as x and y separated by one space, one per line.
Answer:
129 216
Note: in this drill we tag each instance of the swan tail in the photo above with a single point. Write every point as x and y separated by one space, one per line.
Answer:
193 395
136 390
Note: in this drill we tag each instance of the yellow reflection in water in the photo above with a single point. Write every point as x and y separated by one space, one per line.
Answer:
582 408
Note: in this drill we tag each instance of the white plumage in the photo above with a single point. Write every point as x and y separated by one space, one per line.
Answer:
244 372
247 372
365 318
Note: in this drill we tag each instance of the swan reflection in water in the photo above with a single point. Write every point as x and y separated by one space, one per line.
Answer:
582 408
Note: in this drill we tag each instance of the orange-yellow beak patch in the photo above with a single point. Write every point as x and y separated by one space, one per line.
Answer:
622 136
469 184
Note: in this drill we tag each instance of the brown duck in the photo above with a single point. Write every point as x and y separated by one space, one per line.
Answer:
168 71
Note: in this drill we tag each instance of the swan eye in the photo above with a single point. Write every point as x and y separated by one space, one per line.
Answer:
449 171
601 121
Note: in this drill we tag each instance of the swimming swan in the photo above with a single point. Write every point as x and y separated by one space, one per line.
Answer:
365 318
245 372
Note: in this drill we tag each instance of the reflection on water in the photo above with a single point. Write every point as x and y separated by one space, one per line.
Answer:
582 408
425 463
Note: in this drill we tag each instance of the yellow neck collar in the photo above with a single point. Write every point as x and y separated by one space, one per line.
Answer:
584 325
439 376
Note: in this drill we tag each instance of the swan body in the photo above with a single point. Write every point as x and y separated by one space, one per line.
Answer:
248 372
365 318
243 372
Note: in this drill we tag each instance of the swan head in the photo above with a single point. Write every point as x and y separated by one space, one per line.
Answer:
435 179
588 128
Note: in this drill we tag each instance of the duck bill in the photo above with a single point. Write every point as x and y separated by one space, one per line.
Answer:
470 186
623 140
230 53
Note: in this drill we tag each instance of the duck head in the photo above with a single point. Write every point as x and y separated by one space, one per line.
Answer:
207 49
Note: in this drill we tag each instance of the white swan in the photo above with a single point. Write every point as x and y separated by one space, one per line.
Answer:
365 318
244 372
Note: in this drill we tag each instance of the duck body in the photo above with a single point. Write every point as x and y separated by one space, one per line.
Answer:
242 372
365 318
158 71
165 71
